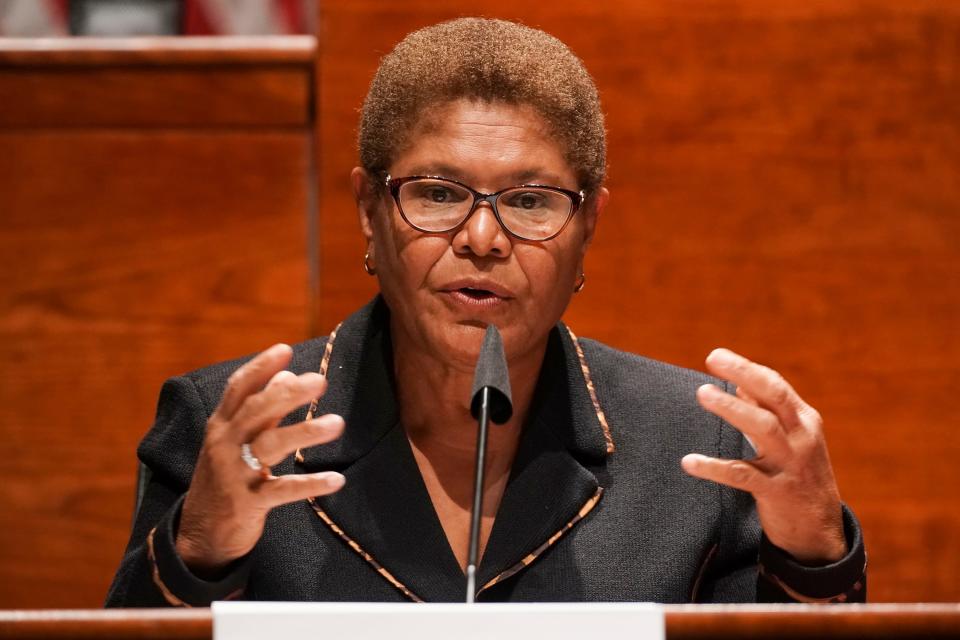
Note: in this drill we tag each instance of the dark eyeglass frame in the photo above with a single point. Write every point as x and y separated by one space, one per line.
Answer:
576 201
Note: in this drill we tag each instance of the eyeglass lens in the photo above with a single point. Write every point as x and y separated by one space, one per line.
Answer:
529 212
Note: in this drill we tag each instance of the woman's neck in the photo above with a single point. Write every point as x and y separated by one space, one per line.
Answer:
434 400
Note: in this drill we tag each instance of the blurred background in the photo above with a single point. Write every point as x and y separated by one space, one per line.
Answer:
785 179
57 18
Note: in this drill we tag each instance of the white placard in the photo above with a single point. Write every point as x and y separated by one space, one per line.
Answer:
362 621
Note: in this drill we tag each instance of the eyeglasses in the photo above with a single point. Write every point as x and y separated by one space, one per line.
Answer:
531 212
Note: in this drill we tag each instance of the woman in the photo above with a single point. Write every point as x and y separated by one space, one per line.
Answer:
482 152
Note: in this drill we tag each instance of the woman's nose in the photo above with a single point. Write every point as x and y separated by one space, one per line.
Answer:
482 234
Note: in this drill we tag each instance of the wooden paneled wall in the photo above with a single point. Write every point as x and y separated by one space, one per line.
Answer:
153 218
785 181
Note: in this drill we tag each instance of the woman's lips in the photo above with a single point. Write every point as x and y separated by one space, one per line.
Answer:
474 298
478 286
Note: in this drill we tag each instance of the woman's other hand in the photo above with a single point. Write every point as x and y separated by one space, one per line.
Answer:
226 506
790 478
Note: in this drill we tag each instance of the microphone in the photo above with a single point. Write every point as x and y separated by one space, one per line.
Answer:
491 399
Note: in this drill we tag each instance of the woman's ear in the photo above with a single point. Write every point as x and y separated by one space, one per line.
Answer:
591 213
365 193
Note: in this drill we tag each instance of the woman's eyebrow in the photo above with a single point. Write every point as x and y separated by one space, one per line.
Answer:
525 176
536 175
444 170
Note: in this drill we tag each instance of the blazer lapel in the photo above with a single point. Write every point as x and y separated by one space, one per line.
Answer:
553 483
384 511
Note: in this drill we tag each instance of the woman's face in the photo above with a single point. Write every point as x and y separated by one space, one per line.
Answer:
443 289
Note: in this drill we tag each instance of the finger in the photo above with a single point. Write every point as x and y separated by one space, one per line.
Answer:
746 397
273 445
265 409
761 427
292 488
763 384
251 377
279 378
738 474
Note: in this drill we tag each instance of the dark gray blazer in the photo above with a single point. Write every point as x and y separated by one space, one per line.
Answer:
597 507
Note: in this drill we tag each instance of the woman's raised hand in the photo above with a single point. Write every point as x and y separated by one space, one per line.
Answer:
228 500
791 478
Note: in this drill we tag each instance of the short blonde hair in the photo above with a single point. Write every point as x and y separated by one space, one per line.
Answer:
490 60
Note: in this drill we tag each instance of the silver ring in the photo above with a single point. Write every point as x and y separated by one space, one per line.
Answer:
247 456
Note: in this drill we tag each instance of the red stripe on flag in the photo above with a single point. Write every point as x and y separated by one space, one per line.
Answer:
195 20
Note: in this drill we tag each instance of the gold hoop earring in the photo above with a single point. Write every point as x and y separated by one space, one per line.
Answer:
582 281
371 271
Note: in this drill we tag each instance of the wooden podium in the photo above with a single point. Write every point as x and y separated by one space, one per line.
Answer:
688 622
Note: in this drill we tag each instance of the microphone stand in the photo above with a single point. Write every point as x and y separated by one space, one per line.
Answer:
490 399
475 514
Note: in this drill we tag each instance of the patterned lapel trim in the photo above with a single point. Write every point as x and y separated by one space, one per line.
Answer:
353 544
585 368
536 553
529 558
389 577
324 365
703 570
